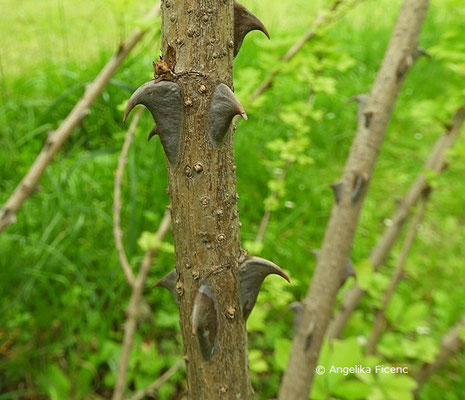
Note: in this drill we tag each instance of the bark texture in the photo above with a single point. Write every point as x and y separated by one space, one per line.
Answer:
198 37
339 235
436 162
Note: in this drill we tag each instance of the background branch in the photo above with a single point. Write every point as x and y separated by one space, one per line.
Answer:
153 387
74 118
341 228
133 310
450 343
435 162
322 18
380 318
117 232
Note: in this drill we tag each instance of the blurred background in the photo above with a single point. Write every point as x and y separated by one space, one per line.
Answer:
62 291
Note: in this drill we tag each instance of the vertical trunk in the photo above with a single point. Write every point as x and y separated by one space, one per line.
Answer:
339 235
202 186
215 283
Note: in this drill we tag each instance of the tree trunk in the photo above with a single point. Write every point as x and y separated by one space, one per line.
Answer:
215 284
339 235
202 189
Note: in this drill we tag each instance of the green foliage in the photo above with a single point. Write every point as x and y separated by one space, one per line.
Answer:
63 292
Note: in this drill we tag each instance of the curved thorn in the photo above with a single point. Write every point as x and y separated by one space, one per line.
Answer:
163 100
245 22
252 272
152 133
224 106
168 282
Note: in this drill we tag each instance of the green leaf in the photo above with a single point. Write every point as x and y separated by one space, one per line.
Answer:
148 240
364 272
256 321
253 247
351 389
282 348
257 362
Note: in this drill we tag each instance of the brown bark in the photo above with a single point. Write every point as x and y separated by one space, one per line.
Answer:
380 318
339 235
450 343
57 138
202 188
436 163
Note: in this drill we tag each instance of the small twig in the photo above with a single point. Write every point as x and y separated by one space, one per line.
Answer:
61 135
296 47
435 162
380 319
450 343
133 310
117 232
153 387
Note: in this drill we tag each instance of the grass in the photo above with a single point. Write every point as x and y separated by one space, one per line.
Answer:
63 293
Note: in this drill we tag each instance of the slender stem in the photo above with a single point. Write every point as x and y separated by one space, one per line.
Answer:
117 232
321 19
56 139
154 386
435 162
133 310
339 235
380 319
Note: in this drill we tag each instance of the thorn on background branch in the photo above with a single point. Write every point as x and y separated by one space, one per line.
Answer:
338 189
359 186
361 100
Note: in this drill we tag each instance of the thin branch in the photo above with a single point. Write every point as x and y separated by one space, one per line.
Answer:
117 232
61 135
342 225
436 162
153 387
380 319
321 19
133 309
450 344
136 283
